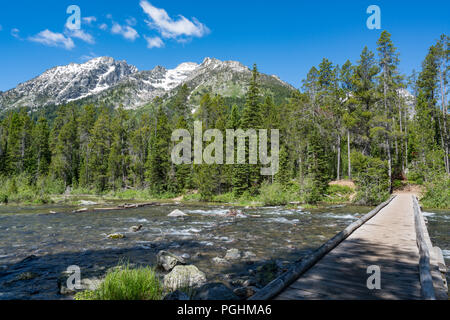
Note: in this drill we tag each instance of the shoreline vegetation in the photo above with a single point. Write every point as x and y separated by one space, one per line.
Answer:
343 192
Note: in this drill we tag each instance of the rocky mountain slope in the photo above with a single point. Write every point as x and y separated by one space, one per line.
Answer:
107 81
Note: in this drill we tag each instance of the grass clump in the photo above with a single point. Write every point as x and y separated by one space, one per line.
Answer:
125 283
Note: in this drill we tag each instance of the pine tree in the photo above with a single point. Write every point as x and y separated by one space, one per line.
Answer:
41 148
86 123
139 144
246 177
65 157
100 144
283 176
389 84
158 163
182 171
119 159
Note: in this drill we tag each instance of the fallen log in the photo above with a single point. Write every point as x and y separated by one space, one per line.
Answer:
120 207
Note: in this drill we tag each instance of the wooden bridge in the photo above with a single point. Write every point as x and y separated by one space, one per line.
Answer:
392 238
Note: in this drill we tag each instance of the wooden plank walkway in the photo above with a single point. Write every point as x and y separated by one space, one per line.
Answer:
388 240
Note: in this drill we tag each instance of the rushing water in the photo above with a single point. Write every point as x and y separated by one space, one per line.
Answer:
50 243
439 230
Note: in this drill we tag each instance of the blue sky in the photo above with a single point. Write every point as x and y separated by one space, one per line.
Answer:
284 38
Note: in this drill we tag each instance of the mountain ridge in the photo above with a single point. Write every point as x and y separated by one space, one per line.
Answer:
113 82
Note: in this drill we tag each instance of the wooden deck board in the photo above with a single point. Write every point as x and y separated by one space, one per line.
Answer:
388 240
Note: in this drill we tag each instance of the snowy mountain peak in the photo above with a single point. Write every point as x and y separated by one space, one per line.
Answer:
113 82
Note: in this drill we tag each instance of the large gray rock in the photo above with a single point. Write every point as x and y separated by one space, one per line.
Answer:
215 291
177 213
167 261
184 277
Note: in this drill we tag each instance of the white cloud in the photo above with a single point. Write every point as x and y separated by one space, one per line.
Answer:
53 39
87 57
154 42
15 33
80 34
125 31
170 28
131 21
89 20
103 26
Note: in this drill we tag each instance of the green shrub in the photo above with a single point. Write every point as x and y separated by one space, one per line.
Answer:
125 283
309 192
437 195
276 194
224 198
3 198
397 184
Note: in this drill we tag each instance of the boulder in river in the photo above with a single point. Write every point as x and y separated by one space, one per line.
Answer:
233 254
116 236
136 228
184 277
177 213
167 261
215 291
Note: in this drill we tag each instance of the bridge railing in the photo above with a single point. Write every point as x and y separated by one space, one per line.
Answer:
426 280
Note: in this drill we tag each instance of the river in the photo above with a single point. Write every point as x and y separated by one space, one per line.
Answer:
33 241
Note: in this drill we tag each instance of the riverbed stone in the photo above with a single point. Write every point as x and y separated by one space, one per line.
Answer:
215 291
220 261
233 254
116 236
186 256
26 276
248 255
136 228
85 284
167 261
184 277
245 292
177 213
